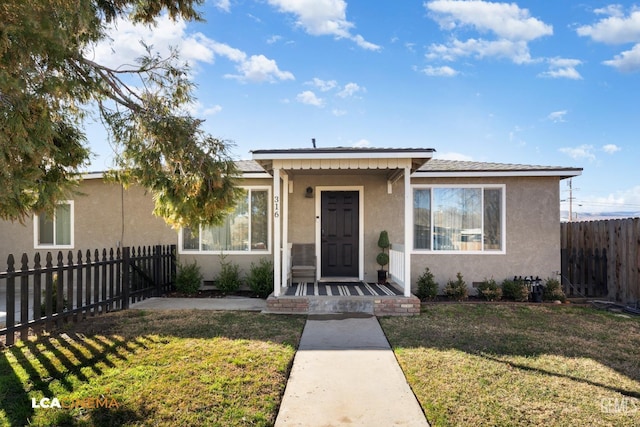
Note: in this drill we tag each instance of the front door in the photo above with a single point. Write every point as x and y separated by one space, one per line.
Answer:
339 233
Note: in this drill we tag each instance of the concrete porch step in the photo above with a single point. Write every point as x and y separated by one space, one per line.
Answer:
375 305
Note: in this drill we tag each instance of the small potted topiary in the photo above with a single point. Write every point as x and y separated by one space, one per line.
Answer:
383 258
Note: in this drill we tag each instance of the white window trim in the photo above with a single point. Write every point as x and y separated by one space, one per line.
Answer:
503 224
267 251
36 229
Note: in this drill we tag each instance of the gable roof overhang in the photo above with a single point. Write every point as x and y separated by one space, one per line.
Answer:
437 168
342 158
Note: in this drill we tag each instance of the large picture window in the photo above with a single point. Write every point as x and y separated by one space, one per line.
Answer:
54 231
458 219
246 229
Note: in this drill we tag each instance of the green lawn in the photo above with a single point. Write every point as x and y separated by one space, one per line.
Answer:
178 368
516 364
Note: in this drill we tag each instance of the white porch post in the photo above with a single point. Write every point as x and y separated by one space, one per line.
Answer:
277 276
285 228
408 215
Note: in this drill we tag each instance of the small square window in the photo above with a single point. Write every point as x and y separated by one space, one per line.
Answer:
57 230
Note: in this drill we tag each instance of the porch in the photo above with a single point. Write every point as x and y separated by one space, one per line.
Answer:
341 295
347 297
335 202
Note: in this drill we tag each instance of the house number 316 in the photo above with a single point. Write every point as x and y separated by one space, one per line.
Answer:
276 206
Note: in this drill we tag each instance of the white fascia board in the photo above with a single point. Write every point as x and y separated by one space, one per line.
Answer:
92 175
487 174
244 175
255 175
344 155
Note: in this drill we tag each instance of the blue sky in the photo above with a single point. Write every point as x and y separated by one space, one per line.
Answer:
551 83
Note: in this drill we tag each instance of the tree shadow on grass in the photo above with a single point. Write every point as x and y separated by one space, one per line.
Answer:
45 362
14 401
524 330
76 356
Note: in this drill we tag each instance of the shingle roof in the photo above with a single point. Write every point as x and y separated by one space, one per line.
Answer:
249 166
435 166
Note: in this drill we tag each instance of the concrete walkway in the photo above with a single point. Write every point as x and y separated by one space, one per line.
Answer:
228 303
344 373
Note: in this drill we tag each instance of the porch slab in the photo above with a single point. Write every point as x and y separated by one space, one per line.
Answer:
377 306
343 297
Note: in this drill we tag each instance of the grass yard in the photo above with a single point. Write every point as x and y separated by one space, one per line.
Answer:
177 368
516 364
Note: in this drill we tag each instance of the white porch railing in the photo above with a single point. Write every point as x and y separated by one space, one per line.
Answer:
396 264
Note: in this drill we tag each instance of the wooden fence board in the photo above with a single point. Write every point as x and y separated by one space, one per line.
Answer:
603 258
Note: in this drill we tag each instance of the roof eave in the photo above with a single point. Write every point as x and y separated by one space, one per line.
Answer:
561 173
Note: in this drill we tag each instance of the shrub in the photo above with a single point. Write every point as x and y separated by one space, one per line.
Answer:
229 278
456 289
515 290
427 287
260 278
188 278
489 290
54 298
552 291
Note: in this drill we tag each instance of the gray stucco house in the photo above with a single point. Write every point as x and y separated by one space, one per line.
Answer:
481 219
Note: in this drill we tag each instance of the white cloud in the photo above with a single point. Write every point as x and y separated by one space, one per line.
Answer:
579 153
323 85
360 41
610 148
211 111
516 51
627 61
615 29
123 43
350 89
509 28
562 68
557 116
621 200
362 143
231 53
224 5
610 10
336 112
309 98
507 21
444 71
322 18
259 68
274 39
124 47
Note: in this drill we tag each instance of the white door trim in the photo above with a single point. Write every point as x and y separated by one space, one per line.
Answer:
318 192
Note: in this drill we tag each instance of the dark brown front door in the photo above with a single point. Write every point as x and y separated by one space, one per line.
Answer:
339 233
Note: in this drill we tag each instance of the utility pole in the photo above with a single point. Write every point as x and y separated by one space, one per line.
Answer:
570 200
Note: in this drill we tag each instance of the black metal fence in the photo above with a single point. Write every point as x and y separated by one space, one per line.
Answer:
93 284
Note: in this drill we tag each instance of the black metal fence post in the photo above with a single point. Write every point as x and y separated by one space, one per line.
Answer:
126 277
11 300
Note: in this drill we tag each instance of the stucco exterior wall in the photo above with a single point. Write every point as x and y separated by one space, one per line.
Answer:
105 216
532 236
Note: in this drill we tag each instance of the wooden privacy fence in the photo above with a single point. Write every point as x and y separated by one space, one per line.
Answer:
602 259
43 295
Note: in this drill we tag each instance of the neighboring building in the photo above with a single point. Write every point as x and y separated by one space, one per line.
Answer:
480 219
